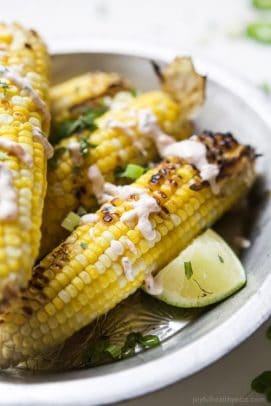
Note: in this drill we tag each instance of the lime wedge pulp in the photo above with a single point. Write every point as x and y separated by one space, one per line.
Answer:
206 272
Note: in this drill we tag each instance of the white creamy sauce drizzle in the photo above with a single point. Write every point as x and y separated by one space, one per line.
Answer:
38 135
141 208
117 248
97 182
148 126
113 123
195 153
25 84
128 268
89 218
74 148
129 244
152 287
17 150
8 195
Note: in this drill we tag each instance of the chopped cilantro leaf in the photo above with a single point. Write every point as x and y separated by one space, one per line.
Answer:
83 245
85 122
188 269
85 146
103 350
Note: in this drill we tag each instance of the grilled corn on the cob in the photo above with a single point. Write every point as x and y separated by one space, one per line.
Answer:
70 98
135 234
24 119
118 141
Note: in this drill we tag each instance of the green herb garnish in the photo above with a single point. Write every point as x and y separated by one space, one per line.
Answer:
85 146
71 221
260 31
262 384
113 350
188 269
83 245
262 4
150 341
103 351
133 92
4 86
81 211
132 171
266 88
85 122
57 154
221 259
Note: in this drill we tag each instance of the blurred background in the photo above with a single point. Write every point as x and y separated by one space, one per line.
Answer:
236 34
214 28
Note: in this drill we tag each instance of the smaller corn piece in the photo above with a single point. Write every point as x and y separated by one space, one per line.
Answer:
23 109
68 186
84 277
70 98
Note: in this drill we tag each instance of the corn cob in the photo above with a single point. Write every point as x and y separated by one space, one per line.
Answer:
23 118
116 147
70 98
101 264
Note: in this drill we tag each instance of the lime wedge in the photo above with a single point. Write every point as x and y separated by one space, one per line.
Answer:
206 272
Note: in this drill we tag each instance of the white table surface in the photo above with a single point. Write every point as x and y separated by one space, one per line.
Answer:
211 28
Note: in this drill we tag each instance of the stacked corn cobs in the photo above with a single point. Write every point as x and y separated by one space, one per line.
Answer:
102 262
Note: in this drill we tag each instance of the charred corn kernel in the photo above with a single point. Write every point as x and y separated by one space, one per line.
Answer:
70 98
119 140
23 116
94 284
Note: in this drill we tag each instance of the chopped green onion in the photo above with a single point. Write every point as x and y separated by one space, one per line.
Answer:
83 245
221 259
150 341
132 171
57 154
266 88
113 350
3 156
127 352
188 269
103 351
262 4
260 31
81 211
71 221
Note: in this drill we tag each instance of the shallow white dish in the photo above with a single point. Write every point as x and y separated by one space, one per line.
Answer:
231 105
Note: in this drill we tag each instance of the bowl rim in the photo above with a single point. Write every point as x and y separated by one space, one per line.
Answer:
158 373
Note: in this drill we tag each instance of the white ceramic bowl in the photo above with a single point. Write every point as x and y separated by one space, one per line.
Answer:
231 105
